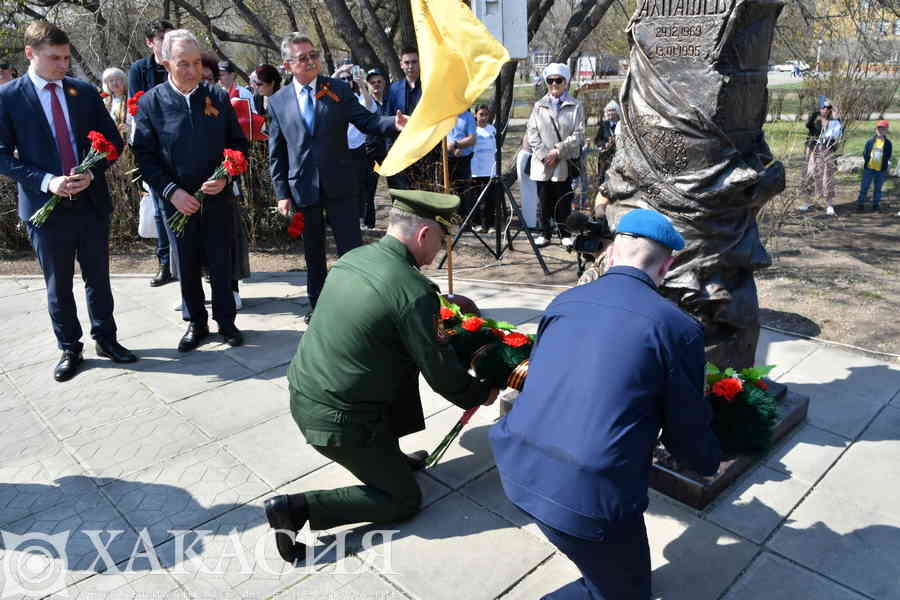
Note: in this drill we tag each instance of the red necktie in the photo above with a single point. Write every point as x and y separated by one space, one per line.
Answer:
63 143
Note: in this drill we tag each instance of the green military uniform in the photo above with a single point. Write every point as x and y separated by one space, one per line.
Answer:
354 380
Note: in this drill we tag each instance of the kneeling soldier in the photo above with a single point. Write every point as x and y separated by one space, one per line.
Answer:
354 380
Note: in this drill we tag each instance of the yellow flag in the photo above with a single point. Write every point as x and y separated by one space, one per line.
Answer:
459 59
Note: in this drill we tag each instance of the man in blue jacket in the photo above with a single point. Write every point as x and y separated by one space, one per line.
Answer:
311 166
45 118
876 162
144 75
614 363
181 131
404 96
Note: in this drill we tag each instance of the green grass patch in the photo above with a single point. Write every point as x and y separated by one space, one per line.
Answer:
786 138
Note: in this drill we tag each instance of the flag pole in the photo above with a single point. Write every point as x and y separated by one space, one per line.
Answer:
444 162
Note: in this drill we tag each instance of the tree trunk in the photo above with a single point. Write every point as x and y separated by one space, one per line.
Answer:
323 41
407 29
349 31
583 21
391 60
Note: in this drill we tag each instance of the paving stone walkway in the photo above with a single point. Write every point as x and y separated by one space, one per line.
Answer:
151 476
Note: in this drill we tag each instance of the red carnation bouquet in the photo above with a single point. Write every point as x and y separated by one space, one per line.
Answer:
101 149
493 349
297 225
132 103
744 413
233 165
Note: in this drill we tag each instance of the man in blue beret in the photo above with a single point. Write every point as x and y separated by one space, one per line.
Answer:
614 363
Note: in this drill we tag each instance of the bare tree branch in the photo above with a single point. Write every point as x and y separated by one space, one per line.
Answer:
250 17
349 31
323 40
384 43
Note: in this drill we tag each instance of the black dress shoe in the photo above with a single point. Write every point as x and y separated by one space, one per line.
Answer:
287 515
196 333
114 351
416 460
307 317
67 365
233 336
163 276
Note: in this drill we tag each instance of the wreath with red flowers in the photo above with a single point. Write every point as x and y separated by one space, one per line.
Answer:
744 413
492 348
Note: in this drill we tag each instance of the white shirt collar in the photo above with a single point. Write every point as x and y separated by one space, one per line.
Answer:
298 87
39 82
182 94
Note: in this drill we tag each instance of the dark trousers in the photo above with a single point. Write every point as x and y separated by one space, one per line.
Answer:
367 211
362 168
208 240
869 177
617 568
390 492
555 199
162 239
75 232
487 211
342 215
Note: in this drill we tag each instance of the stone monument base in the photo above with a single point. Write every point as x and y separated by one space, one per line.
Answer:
698 491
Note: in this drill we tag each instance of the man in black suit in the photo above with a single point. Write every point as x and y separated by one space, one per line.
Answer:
144 75
181 131
45 118
309 159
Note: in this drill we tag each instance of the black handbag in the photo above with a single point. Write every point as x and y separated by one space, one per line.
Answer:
573 163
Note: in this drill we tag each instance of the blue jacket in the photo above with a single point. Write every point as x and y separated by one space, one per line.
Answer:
145 74
614 363
24 128
300 163
397 98
886 156
177 148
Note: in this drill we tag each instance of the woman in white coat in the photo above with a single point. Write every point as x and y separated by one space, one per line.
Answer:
556 135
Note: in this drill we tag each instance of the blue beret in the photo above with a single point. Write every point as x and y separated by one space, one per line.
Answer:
651 225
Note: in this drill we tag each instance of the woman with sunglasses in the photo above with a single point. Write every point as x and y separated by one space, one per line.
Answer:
555 134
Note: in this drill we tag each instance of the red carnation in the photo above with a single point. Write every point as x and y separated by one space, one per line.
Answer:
132 103
235 163
295 229
104 95
761 385
473 323
446 313
728 388
515 339
100 144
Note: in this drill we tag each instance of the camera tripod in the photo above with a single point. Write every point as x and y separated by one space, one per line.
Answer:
498 195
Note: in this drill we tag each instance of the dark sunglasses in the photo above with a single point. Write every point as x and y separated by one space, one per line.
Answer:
345 78
555 80
4 66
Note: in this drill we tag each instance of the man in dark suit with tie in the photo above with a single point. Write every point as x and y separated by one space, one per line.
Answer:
45 118
181 131
309 159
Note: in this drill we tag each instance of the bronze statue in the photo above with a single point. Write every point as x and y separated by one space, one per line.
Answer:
691 146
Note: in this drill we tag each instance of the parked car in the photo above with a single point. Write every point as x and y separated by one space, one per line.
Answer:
788 66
